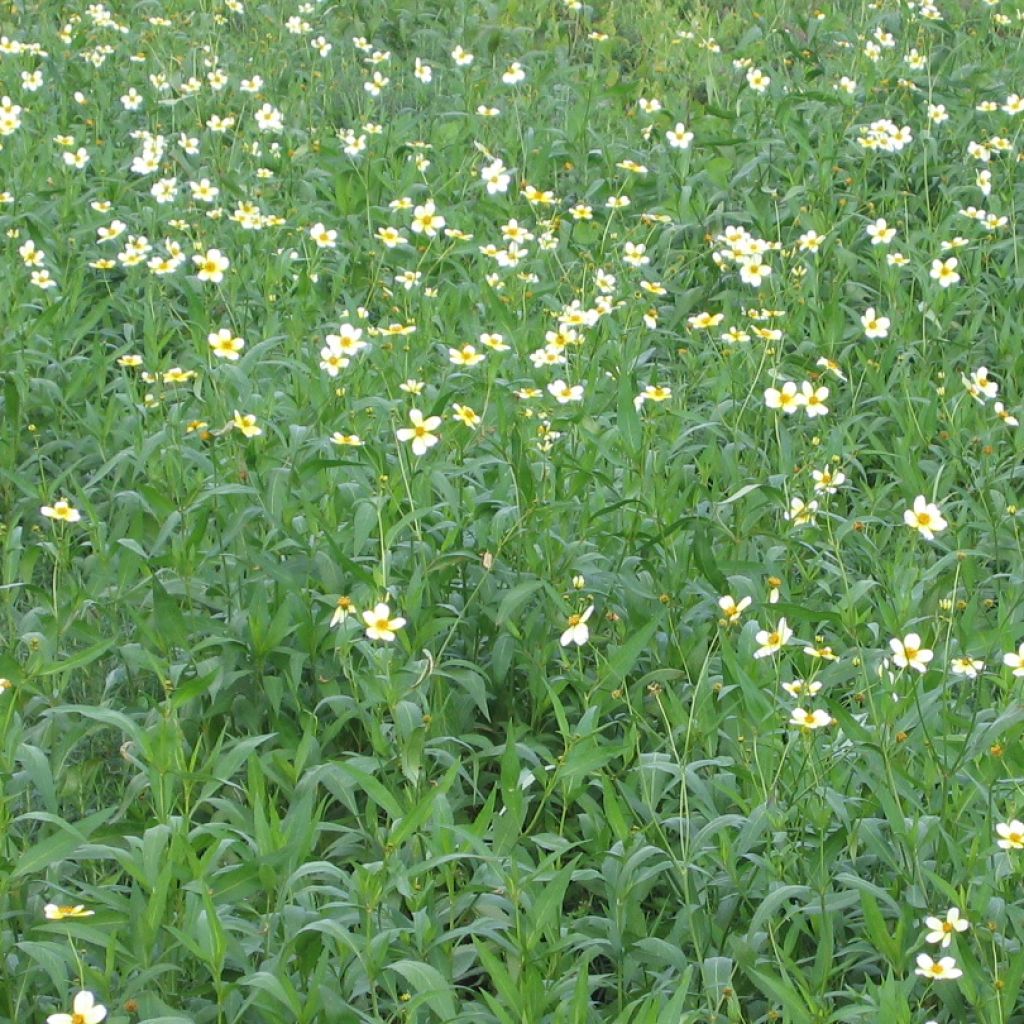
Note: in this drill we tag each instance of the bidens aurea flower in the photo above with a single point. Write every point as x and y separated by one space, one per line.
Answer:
1015 660
941 970
816 719
225 345
874 326
944 271
577 631
379 623
53 912
908 653
732 609
246 424
420 433
925 517
1011 835
211 265
942 930
84 1010
773 641
61 511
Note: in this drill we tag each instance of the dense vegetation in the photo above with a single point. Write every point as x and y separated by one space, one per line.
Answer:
510 512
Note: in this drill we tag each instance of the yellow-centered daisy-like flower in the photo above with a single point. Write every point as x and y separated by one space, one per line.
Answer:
379 623
53 912
61 511
246 424
225 345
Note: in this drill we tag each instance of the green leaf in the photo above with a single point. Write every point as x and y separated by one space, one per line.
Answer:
430 984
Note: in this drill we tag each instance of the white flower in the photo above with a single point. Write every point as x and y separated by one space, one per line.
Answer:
925 517
324 237
496 176
944 970
420 432
1011 835
908 653
810 719
577 632
880 233
788 399
268 118
62 512
84 1010
679 137
1012 659
773 641
813 399
826 481
731 609
379 623
753 271
757 80
967 666
514 74
874 326
944 271
211 265
800 512
942 931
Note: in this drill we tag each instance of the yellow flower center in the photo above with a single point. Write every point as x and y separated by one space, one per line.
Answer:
924 519
947 926
382 624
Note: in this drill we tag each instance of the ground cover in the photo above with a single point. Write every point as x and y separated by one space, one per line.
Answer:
510 512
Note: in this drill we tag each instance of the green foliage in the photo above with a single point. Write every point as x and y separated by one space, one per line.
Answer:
565 774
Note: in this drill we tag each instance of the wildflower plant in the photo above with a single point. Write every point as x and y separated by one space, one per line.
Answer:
511 514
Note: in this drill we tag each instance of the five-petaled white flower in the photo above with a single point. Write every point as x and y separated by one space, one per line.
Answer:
967 666
771 641
1011 835
61 511
679 137
420 433
815 719
940 970
563 393
944 271
212 265
908 653
788 399
925 517
379 623
942 930
874 326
